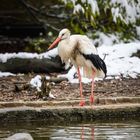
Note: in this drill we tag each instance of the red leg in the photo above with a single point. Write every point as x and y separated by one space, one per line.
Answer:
82 133
82 102
92 133
92 89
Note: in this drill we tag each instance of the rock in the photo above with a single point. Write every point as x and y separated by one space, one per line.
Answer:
26 65
20 136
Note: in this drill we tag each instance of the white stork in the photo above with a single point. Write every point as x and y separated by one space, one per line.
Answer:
83 54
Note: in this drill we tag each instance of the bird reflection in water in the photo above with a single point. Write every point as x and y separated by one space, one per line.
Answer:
83 132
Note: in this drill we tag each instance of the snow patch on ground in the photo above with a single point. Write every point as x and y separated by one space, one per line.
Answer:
119 61
37 83
71 78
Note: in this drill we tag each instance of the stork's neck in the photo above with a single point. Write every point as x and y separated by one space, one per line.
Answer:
65 42
65 49
66 39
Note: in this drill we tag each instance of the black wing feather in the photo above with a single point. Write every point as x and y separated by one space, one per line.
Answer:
96 61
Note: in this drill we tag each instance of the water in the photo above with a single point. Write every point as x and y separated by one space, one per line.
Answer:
85 131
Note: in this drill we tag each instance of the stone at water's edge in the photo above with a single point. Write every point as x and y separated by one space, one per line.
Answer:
20 136
59 114
63 103
70 111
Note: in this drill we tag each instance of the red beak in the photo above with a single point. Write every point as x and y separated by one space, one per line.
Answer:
54 43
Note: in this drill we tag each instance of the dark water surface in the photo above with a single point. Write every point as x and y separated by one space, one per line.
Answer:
124 130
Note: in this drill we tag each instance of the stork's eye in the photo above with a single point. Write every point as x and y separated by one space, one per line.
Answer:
63 34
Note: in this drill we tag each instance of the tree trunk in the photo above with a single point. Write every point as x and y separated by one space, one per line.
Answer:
20 65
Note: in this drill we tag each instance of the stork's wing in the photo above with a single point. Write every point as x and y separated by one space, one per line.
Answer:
83 44
97 62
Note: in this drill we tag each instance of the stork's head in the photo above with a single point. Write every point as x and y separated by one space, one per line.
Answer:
63 34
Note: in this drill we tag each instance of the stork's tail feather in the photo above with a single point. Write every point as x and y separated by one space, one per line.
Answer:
98 63
103 66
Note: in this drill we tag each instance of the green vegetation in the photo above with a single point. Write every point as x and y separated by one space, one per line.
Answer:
106 16
36 45
115 19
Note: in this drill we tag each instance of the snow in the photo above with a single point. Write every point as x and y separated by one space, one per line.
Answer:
127 10
51 95
118 60
6 56
5 74
132 10
106 39
49 54
138 30
37 83
78 7
70 76
94 6
116 14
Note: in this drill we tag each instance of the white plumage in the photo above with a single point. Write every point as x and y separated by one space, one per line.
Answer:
84 45
80 50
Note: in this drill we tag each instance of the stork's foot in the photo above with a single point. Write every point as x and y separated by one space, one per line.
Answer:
82 103
91 99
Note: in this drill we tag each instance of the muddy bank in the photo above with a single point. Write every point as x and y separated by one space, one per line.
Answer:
124 87
114 99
